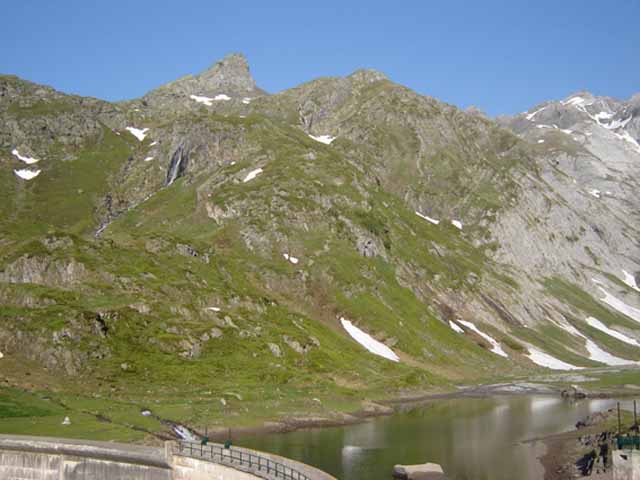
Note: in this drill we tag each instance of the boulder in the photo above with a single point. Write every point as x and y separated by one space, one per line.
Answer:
424 471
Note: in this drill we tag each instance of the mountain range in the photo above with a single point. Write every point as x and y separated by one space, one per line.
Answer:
217 252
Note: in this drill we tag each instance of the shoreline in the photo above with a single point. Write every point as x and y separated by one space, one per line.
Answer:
390 406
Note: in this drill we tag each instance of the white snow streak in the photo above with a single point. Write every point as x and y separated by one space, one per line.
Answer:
620 306
138 133
27 174
222 96
213 309
27 160
545 360
595 352
496 348
628 138
428 219
595 192
368 342
457 224
575 101
531 115
540 141
603 115
597 324
630 280
208 101
455 327
148 159
599 355
246 100
326 139
252 174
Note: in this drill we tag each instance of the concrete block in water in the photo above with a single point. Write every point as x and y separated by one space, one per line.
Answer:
424 471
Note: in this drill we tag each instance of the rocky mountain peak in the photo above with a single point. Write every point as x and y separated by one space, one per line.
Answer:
232 71
225 79
367 75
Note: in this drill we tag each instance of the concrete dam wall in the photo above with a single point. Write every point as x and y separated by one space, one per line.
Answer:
42 458
35 458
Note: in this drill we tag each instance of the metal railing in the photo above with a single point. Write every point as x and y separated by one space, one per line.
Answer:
234 457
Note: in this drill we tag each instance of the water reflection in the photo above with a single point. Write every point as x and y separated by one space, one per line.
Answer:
472 438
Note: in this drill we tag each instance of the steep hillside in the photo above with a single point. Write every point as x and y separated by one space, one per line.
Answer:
219 255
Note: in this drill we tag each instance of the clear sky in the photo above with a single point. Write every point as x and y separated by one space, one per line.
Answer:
502 56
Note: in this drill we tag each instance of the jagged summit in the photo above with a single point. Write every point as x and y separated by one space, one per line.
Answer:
367 75
232 71
226 79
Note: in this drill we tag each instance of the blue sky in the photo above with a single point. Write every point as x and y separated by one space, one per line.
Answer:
502 56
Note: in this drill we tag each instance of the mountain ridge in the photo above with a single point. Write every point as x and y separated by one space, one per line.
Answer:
215 245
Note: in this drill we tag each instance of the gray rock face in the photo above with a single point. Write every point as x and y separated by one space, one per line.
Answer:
586 210
44 271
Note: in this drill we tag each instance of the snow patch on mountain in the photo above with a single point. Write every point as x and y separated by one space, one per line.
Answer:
455 327
595 352
496 348
208 101
545 360
291 258
576 102
326 139
457 224
597 324
630 280
27 174
629 139
27 160
252 174
140 134
599 355
368 342
531 115
620 306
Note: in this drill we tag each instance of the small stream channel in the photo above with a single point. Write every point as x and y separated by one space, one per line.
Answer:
472 438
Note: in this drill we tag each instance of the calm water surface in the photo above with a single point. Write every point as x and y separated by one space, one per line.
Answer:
472 438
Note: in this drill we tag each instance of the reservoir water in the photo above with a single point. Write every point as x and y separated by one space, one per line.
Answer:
472 438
